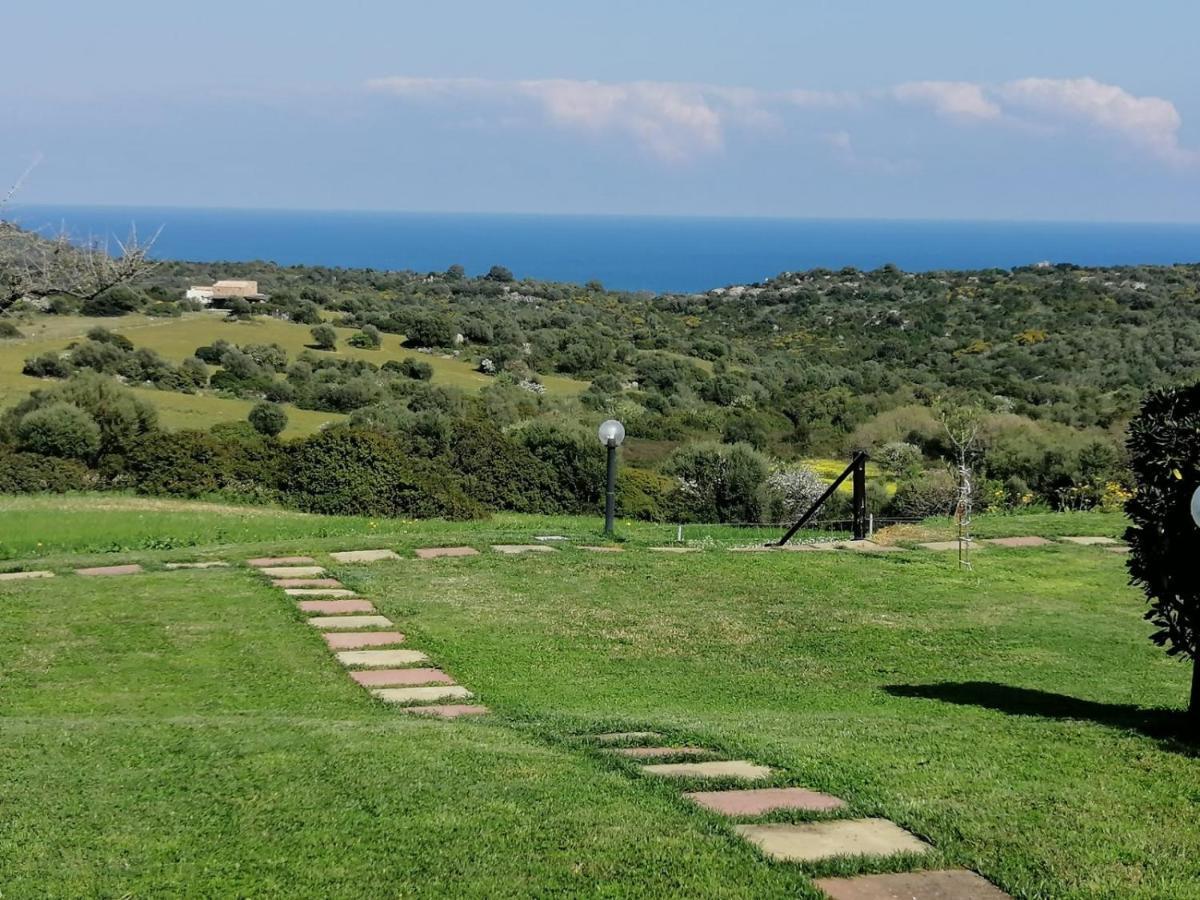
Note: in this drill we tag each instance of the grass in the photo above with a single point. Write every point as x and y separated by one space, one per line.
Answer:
187 733
175 339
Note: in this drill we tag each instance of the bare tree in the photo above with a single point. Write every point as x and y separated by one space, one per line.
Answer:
34 265
961 423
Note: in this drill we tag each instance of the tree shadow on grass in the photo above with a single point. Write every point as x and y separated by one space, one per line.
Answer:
1166 725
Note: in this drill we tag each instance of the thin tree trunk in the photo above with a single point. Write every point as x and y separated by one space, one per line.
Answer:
1194 704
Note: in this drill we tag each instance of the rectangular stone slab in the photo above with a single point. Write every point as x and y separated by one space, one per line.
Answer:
336 607
513 549
306 583
379 657
423 694
812 841
350 622
674 549
131 569
293 571
214 564
726 768
651 752
318 592
615 737
447 710
943 546
445 552
595 549
21 576
1029 541
400 677
270 561
1089 540
363 556
358 640
947 884
757 801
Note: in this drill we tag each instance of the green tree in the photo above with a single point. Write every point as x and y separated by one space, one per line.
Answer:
268 418
324 337
59 429
1164 451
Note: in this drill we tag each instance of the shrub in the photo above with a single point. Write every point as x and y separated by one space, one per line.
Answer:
900 459
646 495
573 456
369 338
194 372
102 335
48 365
931 493
502 473
9 330
268 418
349 471
410 368
59 429
430 330
1165 456
791 491
719 483
31 473
324 337
116 301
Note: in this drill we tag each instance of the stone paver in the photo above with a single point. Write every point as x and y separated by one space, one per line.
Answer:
292 571
615 737
378 657
306 583
445 552
951 884
319 592
448 710
423 694
756 801
1089 540
21 576
1026 541
400 677
336 607
131 569
871 547
947 545
651 752
594 549
273 561
212 564
729 768
813 841
1117 549
363 556
674 549
350 622
359 640
513 549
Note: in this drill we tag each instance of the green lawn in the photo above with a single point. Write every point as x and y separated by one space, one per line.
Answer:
176 339
187 733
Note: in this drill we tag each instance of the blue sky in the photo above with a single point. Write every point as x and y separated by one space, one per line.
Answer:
1015 110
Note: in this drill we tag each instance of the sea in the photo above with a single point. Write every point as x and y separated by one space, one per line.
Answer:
634 253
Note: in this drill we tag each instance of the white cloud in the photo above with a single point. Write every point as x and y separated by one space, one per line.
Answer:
1149 122
952 99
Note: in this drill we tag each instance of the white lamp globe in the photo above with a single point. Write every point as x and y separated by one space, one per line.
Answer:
611 433
1196 506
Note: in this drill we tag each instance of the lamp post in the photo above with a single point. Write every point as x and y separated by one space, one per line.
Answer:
611 433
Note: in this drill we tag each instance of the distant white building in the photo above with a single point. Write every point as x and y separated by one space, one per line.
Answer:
224 290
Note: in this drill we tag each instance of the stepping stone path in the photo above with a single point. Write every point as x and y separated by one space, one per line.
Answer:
1030 541
1089 541
757 801
214 564
422 694
813 841
334 607
727 768
515 549
363 556
388 673
400 677
445 552
21 576
272 561
379 657
350 622
953 884
359 640
132 569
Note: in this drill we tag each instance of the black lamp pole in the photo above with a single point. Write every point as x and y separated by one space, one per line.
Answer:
610 496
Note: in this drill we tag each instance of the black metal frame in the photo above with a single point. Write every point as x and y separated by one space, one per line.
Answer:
857 468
